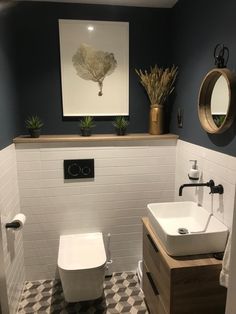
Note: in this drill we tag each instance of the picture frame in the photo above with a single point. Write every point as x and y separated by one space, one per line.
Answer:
94 57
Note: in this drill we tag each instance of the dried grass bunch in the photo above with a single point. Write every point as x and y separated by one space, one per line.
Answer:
159 83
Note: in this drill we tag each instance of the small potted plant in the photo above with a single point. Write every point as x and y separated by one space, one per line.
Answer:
120 125
86 125
34 125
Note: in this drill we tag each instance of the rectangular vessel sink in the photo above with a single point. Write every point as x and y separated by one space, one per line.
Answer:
185 228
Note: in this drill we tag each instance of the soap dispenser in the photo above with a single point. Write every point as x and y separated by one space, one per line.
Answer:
194 172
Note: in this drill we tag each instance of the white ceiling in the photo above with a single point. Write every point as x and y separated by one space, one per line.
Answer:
136 3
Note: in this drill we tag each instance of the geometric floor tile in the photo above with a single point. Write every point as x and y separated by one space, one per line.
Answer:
122 294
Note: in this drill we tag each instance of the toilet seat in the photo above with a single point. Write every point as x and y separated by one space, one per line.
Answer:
81 251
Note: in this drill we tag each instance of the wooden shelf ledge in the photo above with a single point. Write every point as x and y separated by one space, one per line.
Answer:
93 138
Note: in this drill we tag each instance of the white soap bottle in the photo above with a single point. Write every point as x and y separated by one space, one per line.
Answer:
194 172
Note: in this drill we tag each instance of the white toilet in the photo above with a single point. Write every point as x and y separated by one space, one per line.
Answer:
82 265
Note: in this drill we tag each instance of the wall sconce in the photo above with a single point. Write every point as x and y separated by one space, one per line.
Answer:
220 53
180 117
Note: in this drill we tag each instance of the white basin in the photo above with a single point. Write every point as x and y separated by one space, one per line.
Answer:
206 234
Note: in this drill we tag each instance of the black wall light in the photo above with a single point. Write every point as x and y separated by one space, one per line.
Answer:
221 55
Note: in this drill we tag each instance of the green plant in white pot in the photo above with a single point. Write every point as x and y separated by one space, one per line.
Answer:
34 124
86 125
120 125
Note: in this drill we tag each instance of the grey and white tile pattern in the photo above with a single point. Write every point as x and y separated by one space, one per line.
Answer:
122 294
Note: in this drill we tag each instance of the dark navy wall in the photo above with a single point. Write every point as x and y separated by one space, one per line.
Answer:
38 63
9 112
185 35
198 27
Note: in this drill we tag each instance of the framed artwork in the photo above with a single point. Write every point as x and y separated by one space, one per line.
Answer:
94 68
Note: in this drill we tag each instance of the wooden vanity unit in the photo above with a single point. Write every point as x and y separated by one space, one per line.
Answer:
180 285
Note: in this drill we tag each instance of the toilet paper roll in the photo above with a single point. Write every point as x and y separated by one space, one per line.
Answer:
21 219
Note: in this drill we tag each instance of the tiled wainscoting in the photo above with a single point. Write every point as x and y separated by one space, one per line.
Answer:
212 165
127 177
222 169
11 244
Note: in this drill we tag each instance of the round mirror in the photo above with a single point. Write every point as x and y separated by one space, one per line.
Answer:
220 101
217 96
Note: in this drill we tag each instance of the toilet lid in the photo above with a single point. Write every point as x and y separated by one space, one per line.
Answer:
81 251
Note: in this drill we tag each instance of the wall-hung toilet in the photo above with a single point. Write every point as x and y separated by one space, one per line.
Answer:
82 265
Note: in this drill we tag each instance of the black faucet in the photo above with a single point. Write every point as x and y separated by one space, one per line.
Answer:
214 188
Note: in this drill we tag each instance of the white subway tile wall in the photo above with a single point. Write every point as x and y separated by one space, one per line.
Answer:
127 177
212 165
12 242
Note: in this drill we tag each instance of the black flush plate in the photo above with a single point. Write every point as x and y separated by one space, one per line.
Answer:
78 168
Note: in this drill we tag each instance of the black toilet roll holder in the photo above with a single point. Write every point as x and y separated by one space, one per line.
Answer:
12 225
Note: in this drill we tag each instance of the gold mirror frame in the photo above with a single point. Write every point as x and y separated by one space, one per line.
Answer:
204 101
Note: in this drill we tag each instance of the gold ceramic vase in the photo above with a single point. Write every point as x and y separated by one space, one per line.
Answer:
156 117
